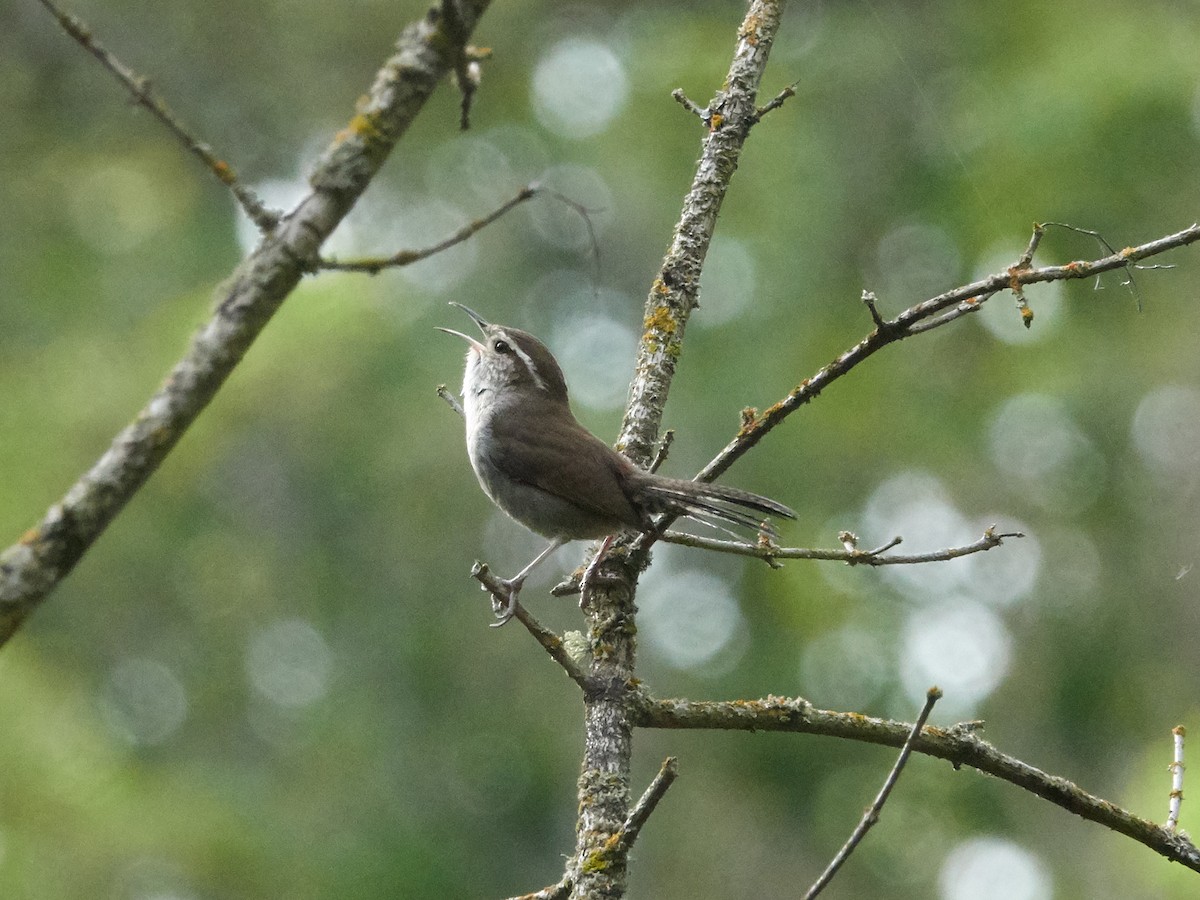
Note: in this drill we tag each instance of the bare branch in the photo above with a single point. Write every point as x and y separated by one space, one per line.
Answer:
959 745
550 641
778 101
604 781
1178 733
375 265
851 555
682 99
649 801
559 891
444 393
33 567
145 96
871 816
964 298
664 447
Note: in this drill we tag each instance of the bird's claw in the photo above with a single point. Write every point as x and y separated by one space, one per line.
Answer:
505 608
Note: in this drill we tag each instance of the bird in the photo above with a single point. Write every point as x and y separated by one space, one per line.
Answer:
539 465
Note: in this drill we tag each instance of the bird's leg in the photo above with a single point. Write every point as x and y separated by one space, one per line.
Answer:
589 573
506 608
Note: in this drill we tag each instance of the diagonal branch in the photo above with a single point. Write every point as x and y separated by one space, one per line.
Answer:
871 816
145 96
376 264
922 317
44 555
958 745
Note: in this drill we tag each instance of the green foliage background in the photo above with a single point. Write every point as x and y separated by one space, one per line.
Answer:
327 486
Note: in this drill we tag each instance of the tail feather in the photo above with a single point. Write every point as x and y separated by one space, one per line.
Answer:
710 501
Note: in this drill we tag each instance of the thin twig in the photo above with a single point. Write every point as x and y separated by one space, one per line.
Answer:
959 744
374 265
139 87
871 816
777 101
551 642
907 324
682 99
1178 733
850 555
444 393
559 891
664 447
648 802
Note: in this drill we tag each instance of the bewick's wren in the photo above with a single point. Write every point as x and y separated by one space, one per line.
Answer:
539 465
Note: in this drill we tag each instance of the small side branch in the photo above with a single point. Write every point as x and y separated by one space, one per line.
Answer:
375 265
850 555
444 393
551 642
1178 733
648 803
871 816
924 317
959 744
144 96
559 891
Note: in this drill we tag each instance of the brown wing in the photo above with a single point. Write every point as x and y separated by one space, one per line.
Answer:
551 451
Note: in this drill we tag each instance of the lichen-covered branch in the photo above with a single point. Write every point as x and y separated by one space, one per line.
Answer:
729 117
142 93
31 568
925 316
595 869
959 745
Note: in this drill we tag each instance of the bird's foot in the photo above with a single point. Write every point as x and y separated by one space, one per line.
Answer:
591 573
505 607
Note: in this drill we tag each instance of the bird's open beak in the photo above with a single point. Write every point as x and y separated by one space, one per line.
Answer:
475 345
479 320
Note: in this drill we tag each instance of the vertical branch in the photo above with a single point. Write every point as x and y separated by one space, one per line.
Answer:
729 118
598 868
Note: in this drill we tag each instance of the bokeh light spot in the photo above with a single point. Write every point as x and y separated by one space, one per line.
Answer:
991 868
143 701
596 354
1166 429
1036 443
289 663
960 646
579 87
688 618
727 283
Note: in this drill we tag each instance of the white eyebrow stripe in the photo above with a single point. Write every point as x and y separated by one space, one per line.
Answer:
525 358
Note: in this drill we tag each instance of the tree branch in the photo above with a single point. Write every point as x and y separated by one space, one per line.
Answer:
924 317
604 781
376 264
958 745
31 568
768 552
145 96
871 816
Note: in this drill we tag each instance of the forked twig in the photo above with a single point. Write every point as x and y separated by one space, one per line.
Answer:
871 816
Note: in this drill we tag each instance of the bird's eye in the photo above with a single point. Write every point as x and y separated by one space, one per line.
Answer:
501 346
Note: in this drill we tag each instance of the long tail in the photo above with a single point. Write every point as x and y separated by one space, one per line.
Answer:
714 501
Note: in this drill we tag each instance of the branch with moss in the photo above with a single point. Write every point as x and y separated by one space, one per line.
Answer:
959 745
928 315
604 781
426 51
